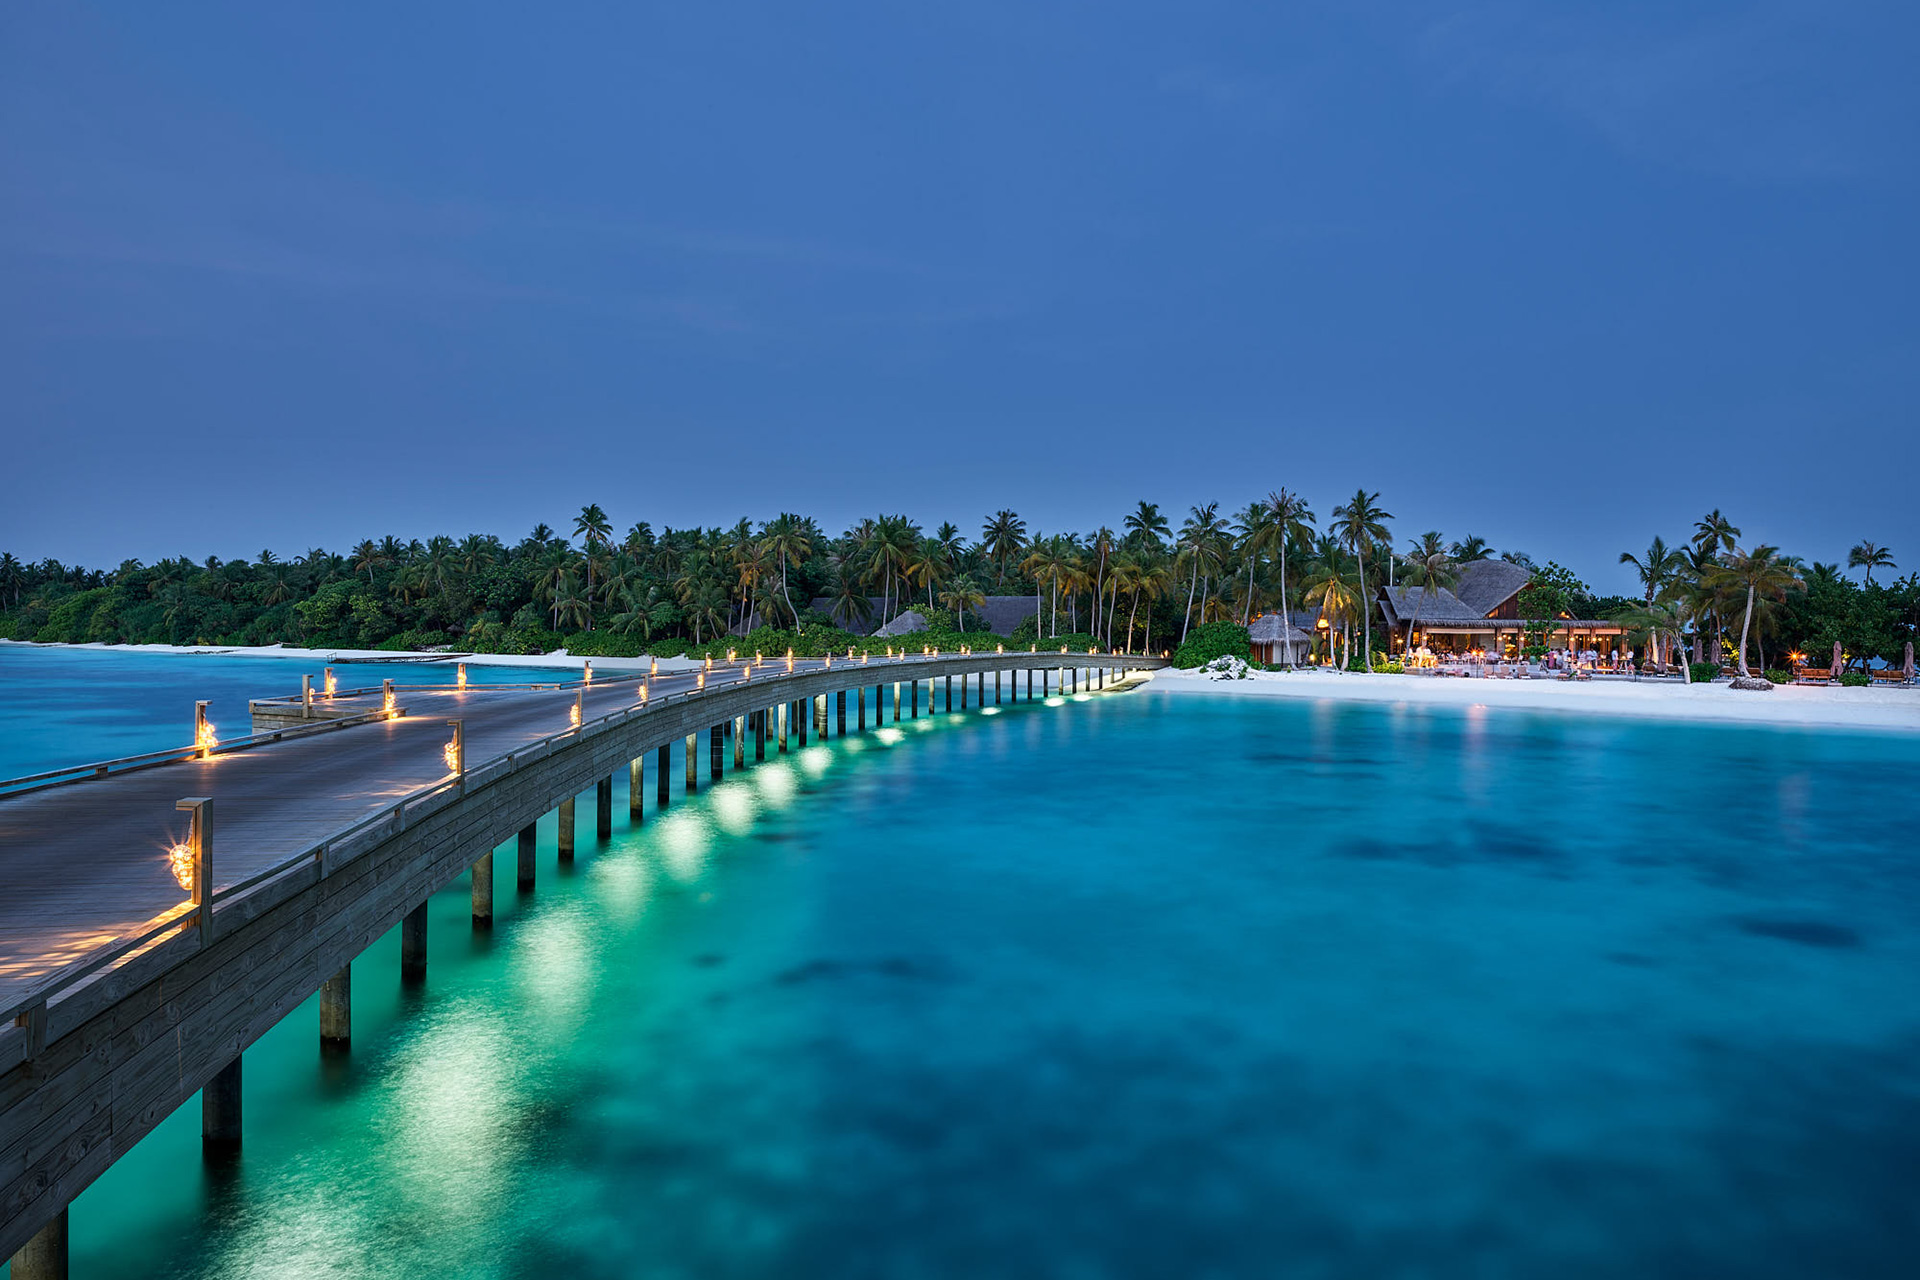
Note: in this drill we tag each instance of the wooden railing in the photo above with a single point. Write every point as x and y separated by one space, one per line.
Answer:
30 1010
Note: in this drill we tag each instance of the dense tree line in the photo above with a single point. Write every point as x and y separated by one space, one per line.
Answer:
1139 587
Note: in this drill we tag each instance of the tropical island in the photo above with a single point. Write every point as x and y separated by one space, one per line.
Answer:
1341 587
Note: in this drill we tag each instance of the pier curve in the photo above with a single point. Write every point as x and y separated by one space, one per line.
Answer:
121 1002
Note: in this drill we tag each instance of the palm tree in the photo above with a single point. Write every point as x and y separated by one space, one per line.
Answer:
1147 528
1469 549
928 567
1430 566
1292 519
1043 566
555 568
1337 596
369 556
1101 547
1004 536
789 537
1657 568
1713 533
595 532
1661 620
1200 539
1255 527
1361 523
13 576
963 595
1870 556
1761 573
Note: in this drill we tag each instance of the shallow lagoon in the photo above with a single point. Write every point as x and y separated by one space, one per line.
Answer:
1132 986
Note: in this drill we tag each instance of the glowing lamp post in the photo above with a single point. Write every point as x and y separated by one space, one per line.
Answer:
330 684
202 730
455 751
191 861
588 678
386 699
653 668
460 675
579 704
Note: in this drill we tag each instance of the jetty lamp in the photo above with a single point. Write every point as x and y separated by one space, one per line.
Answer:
455 751
579 700
386 699
654 669
588 678
700 681
789 660
643 693
191 861
202 730
330 683
460 675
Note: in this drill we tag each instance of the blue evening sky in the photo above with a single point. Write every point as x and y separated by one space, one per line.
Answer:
1564 276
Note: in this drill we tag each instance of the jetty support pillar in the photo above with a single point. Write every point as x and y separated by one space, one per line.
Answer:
565 815
413 944
603 808
693 762
44 1257
528 843
636 788
220 1110
663 775
336 1009
483 891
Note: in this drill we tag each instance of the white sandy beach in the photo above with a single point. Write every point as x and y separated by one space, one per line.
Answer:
1790 705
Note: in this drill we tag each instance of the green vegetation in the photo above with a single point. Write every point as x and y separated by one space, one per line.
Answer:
1728 606
1147 588
1213 640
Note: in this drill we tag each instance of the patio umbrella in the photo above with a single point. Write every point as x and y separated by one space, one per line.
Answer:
1906 668
1836 660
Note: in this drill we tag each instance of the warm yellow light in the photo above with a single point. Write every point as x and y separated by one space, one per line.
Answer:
460 675
729 655
450 752
702 678
180 863
386 705
709 664
203 738
999 648
573 714
653 668
643 695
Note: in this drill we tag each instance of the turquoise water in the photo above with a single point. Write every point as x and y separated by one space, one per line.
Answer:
70 706
1137 986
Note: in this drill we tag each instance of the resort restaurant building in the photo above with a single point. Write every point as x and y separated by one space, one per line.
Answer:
1481 614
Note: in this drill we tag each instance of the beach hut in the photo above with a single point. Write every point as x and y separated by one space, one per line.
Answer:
1275 640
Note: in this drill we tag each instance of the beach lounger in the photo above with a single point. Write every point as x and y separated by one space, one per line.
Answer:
1813 675
1889 675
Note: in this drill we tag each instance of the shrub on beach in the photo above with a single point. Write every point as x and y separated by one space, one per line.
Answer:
1777 676
1703 672
1212 640
1855 679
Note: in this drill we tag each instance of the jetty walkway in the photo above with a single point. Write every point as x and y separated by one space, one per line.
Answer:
159 914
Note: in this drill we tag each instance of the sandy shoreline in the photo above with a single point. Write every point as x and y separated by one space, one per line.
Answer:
558 659
1805 706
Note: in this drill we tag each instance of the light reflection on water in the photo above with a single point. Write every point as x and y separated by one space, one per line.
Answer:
1141 987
